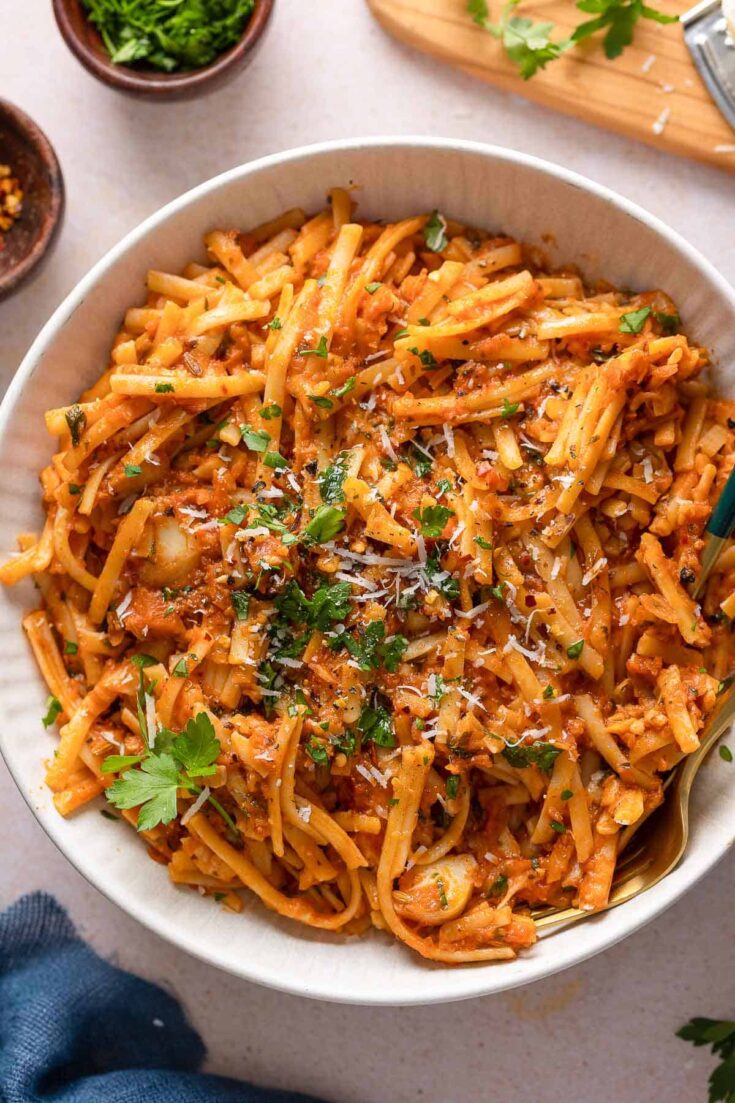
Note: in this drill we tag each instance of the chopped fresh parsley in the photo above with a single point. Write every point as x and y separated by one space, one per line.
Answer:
257 440
76 419
270 411
318 752
132 469
320 350
419 461
164 388
539 754
53 708
634 320
452 786
328 605
70 648
331 479
322 401
324 525
376 725
141 660
181 669
371 288
235 516
432 520
548 692
275 323
188 34
346 387
725 753
275 460
509 408
240 603
498 886
435 233
391 652
483 543
575 649
669 322
441 580
566 794
558 827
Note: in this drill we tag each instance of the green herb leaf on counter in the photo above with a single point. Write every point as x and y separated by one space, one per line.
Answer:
719 1035
187 34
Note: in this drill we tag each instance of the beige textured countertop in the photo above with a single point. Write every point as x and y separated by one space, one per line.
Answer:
601 1031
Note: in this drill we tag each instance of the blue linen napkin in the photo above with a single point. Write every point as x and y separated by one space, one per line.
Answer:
75 1029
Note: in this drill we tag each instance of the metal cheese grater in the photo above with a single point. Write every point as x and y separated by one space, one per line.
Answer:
712 46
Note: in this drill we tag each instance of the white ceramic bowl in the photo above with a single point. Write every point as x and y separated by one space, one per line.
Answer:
488 187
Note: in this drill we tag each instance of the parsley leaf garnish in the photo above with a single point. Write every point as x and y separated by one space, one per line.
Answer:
240 603
633 321
375 724
441 580
76 419
509 408
538 754
154 784
257 440
320 350
324 525
329 604
575 649
669 322
435 233
271 411
132 469
433 519
331 479
53 708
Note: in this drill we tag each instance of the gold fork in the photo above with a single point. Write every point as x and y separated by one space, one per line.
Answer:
659 847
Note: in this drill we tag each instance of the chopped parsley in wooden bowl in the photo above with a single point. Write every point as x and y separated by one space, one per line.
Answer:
163 48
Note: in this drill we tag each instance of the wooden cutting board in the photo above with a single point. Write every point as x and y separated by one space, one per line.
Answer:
652 92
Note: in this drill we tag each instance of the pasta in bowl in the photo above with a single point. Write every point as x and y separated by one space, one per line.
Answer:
365 571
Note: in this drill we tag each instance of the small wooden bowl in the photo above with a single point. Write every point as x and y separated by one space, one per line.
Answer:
86 44
32 159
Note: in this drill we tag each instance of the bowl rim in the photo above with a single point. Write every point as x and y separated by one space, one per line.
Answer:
651 904
32 134
159 84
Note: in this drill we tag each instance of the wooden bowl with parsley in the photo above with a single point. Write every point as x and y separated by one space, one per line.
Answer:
161 49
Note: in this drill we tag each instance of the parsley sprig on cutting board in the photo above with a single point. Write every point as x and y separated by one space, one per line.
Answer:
168 34
531 45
